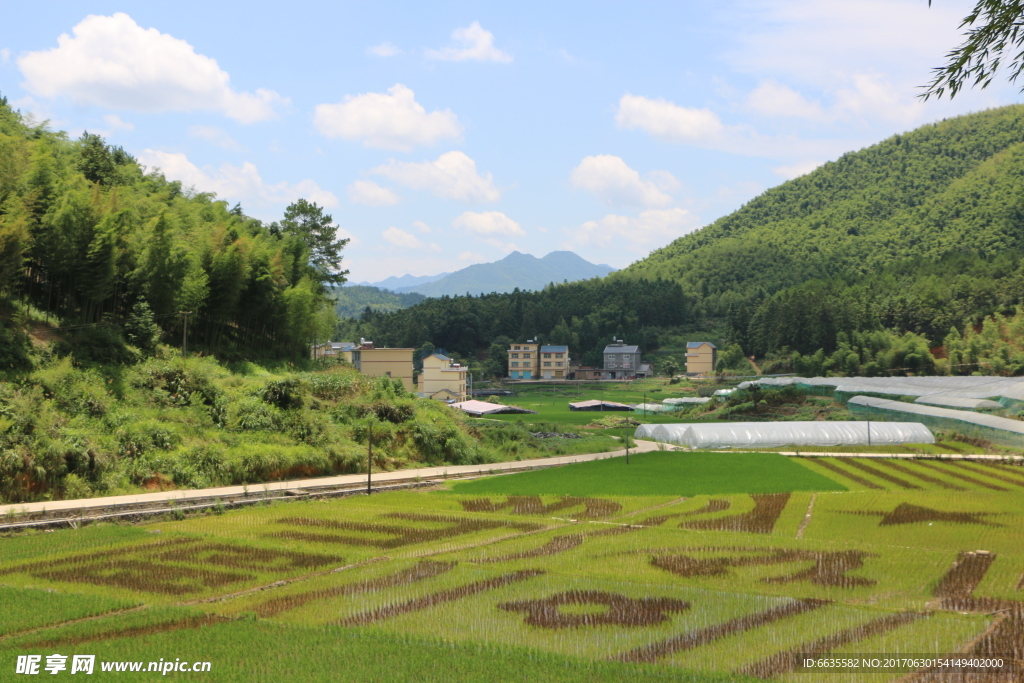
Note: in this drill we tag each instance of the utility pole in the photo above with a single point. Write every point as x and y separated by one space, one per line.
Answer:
369 458
184 333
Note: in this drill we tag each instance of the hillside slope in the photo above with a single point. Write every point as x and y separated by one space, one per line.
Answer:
951 186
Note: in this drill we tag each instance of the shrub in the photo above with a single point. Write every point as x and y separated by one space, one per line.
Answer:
285 394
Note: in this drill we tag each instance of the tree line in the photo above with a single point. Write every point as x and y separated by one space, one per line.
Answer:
106 251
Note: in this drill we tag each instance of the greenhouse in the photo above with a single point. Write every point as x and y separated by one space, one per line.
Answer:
1007 391
686 400
999 430
775 434
979 404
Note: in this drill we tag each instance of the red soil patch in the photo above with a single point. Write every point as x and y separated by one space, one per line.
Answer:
961 477
760 520
131 632
558 544
424 570
832 467
829 567
622 610
532 505
868 469
989 472
920 475
450 595
395 536
693 639
906 513
713 505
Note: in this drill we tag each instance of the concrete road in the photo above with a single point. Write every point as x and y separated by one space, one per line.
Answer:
185 496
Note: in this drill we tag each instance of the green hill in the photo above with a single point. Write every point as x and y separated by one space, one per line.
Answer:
350 302
955 185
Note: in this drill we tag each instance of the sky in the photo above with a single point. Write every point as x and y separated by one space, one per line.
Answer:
443 134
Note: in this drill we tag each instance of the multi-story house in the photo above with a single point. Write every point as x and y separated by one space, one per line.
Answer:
442 379
524 360
701 358
375 362
621 361
554 362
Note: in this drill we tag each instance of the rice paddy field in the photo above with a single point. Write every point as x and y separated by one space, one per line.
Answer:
676 567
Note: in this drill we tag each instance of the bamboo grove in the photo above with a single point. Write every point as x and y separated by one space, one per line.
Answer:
112 253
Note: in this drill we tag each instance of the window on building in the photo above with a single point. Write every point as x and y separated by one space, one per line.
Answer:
515 364
516 348
515 355
547 364
558 355
558 365
526 355
547 355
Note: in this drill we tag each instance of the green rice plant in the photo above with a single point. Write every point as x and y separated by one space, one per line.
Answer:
27 608
661 473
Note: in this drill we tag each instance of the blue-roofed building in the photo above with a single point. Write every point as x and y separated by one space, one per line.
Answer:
554 362
621 360
701 358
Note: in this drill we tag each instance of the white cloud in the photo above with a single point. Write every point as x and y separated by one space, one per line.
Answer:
774 99
472 256
472 43
385 49
875 97
489 224
215 136
796 170
36 111
371 194
115 63
116 123
406 240
639 234
234 183
386 121
421 226
612 181
401 238
667 121
452 176
817 40
5 55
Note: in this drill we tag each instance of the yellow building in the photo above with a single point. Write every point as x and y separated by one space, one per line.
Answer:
375 362
701 358
442 379
524 360
554 362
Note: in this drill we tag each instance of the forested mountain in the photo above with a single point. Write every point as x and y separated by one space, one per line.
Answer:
920 233
350 302
515 271
951 186
108 254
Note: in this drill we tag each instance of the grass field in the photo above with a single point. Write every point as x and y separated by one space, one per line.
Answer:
526 578
661 473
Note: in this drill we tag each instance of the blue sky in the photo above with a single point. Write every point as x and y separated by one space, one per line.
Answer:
444 134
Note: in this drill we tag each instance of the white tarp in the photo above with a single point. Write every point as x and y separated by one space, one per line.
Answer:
1002 424
644 431
994 388
774 434
684 400
957 402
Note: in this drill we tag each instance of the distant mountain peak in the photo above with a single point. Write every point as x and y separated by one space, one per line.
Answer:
515 270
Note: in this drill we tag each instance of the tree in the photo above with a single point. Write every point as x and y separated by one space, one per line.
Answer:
669 367
317 230
996 28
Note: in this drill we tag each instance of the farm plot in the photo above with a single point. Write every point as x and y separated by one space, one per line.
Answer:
600 586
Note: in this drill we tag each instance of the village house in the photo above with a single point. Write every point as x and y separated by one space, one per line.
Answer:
374 362
524 360
621 360
701 358
442 379
554 362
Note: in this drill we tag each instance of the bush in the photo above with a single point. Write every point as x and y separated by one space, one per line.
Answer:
286 394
